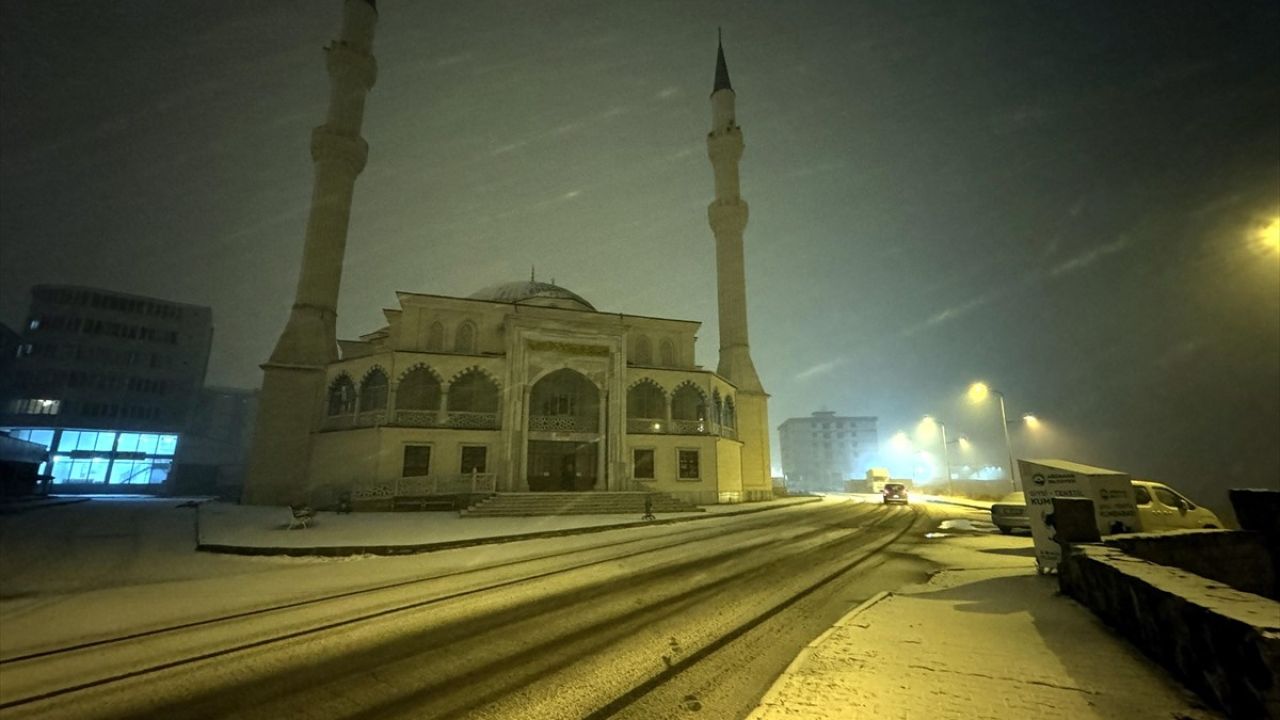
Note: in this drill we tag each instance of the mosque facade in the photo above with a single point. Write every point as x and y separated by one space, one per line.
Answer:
519 387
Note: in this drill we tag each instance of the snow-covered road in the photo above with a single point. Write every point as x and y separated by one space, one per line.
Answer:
642 622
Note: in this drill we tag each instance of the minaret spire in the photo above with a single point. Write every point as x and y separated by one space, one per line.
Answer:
722 69
294 377
727 215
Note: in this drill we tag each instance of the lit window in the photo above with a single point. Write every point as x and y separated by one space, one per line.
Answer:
147 444
167 444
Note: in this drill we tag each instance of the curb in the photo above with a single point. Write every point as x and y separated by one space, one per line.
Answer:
770 695
959 504
349 550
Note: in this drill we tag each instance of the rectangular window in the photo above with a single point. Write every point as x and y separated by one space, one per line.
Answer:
417 461
688 463
642 463
474 458
147 444
167 445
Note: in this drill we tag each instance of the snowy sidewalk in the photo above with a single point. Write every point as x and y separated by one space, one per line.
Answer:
257 530
985 639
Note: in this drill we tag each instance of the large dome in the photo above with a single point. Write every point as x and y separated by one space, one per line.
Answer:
531 292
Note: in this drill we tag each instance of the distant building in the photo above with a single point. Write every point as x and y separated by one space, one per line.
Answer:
823 451
215 444
106 381
9 342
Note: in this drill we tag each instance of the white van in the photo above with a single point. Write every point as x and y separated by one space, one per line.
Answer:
1160 507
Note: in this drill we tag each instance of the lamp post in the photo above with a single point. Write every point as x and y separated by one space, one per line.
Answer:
946 455
978 392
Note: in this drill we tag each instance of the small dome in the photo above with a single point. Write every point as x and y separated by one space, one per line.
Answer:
530 292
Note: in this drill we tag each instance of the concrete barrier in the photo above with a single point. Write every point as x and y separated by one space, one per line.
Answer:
1243 560
1223 643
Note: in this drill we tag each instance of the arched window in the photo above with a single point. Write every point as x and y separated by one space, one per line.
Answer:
473 391
435 337
688 403
419 389
564 401
667 353
644 351
647 401
464 341
730 413
342 396
373 391
717 407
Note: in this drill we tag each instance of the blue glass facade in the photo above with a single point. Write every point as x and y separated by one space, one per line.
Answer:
103 457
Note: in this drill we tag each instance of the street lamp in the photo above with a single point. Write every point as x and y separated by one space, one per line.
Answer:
946 456
978 393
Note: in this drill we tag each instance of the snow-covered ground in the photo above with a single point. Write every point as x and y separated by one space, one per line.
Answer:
115 565
985 638
243 526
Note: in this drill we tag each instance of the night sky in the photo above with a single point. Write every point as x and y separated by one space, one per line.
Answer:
1062 199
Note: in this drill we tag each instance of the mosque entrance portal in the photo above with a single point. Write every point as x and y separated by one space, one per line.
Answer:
562 466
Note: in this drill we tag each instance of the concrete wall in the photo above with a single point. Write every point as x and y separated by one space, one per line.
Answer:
1221 642
1240 559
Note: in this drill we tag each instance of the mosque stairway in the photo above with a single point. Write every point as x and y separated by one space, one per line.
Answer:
576 503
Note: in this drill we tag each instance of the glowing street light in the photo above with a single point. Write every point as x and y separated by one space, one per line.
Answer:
900 442
1032 421
1268 236
978 393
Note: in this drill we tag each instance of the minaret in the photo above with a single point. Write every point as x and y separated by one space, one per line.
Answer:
293 381
728 217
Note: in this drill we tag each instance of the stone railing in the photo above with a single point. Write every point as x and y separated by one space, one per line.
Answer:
563 423
690 427
419 418
659 426
424 486
472 420
646 425
347 421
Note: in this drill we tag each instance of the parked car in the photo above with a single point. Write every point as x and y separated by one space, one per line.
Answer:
1011 513
894 493
1160 507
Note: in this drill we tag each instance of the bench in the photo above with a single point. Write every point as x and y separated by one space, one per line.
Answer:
302 516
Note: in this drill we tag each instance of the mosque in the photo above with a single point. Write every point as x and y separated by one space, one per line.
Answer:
521 387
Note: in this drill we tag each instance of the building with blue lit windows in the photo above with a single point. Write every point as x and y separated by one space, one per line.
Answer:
106 382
